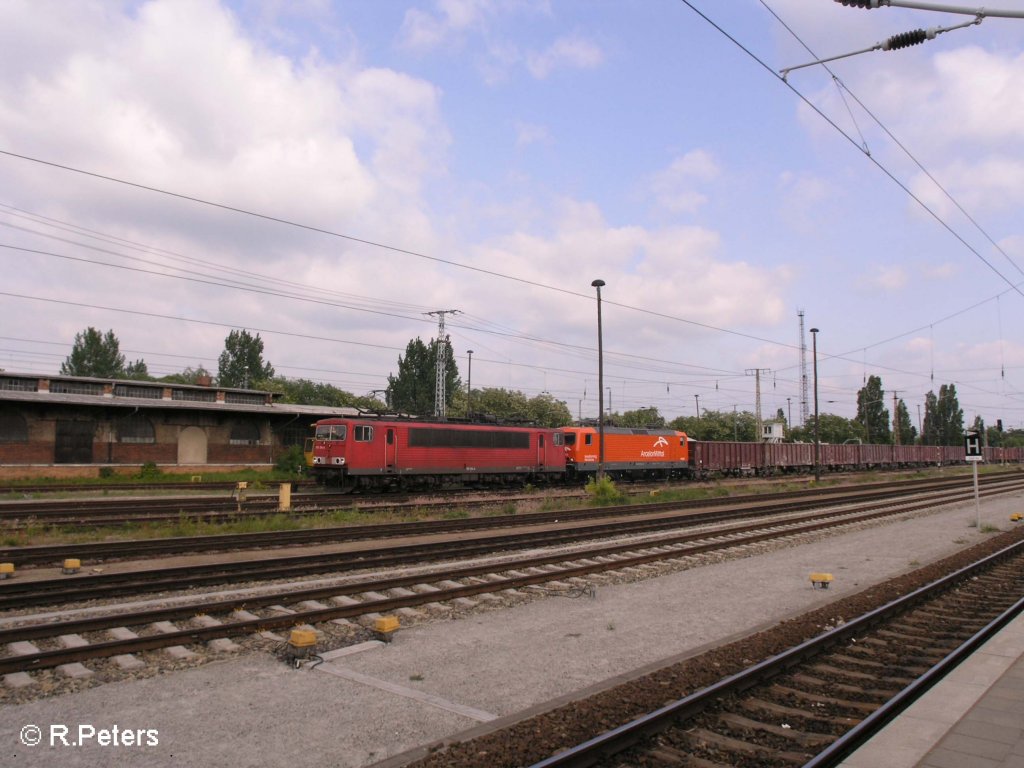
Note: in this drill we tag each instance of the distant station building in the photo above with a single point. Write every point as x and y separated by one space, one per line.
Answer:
74 426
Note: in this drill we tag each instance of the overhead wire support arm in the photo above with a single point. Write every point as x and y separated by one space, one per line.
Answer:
961 9
902 40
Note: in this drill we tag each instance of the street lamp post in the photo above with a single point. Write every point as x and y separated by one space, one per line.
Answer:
598 284
817 433
469 387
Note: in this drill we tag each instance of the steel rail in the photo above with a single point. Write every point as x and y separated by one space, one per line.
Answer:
95 551
49 659
629 734
51 591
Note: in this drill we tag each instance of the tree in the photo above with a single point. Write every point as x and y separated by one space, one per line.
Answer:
188 376
943 417
241 363
94 354
995 435
831 429
978 427
137 371
930 431
872 414
546 411
413 388
905 431
306 392
508 405
719 425
642 418
1013 438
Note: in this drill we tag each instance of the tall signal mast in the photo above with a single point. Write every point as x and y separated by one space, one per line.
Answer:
440 406
804 412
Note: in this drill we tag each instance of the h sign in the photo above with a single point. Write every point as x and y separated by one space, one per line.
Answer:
972 446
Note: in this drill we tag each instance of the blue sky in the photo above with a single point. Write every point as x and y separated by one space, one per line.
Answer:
496 156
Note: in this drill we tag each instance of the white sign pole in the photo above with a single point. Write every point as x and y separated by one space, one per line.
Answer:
977 501
973 453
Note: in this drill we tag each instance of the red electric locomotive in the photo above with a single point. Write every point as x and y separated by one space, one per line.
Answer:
376 454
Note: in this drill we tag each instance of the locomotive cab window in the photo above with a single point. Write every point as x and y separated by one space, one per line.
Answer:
570 438
331 431
363 433
557 439
588 439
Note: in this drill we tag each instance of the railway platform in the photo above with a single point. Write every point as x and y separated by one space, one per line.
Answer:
974 718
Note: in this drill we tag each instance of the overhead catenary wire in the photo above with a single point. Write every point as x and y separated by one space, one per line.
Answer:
893 43
581 351
383 246
909 192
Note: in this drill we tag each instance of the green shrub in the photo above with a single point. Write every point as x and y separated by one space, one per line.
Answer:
292 461
603 491
149 471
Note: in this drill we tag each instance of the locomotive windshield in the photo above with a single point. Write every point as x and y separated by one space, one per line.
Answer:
331 431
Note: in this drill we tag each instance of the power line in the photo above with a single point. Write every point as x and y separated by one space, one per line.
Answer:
850 139
383 246
844 88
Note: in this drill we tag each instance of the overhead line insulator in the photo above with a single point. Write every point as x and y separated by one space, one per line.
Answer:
861 3
907 39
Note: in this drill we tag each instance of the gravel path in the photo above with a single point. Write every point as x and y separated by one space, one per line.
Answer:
448 676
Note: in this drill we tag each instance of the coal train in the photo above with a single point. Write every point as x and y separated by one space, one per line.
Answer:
377 454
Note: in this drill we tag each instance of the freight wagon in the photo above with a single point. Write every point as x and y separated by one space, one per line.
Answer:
731 459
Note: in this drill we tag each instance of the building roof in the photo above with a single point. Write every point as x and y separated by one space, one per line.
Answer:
37 389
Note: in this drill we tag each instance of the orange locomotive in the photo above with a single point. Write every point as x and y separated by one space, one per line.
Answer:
628 453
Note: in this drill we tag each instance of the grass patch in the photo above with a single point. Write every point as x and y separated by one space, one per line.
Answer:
108 477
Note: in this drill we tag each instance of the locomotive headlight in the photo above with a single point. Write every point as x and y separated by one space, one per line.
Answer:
339 459
318 459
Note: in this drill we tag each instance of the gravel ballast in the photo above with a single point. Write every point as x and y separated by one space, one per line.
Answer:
254 710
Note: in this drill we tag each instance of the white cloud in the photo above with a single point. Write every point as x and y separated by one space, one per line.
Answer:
942 272
572 52
887 277
994 183
179 98
427 31
675 188
960 112
530 133
675 271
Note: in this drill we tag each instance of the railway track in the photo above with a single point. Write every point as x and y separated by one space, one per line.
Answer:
815 703
93 513
21 594
20 489
88 513
729 507
118 633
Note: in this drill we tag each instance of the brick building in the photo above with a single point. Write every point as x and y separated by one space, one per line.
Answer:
73 426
